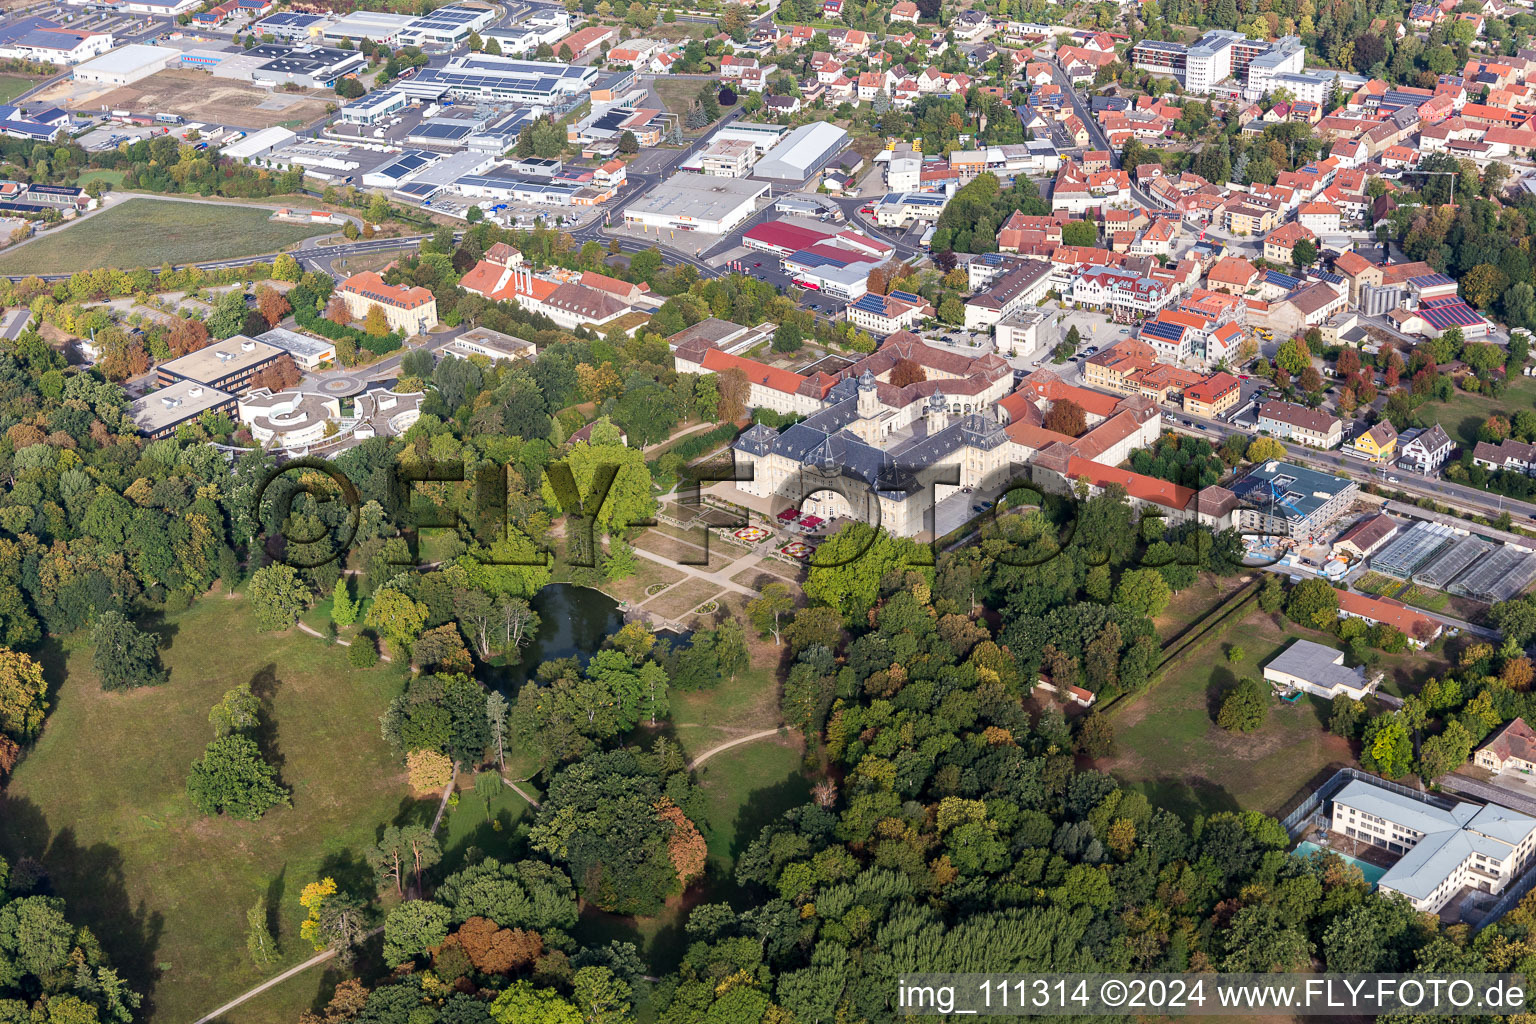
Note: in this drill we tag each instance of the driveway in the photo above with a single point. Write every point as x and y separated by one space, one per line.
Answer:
1506 789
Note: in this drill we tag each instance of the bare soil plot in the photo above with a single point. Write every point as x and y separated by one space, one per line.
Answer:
199 96
684 552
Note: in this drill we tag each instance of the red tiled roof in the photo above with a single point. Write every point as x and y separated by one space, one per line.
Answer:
1383 609
1146 488
786 381
372 286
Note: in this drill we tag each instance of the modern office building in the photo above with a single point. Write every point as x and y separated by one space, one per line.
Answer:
159 413
375 26
292 26
227 365
1282 499
447 26
478 77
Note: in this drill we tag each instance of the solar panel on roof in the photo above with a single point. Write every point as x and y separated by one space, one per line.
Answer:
1163 329
1454 315
441 132
905 297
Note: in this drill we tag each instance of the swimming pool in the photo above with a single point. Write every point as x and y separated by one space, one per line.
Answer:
1371 872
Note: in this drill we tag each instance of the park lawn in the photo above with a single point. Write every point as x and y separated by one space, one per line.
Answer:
101 801
1465 412
148 232
468 825
702 719
746 788
1170 748
1194 603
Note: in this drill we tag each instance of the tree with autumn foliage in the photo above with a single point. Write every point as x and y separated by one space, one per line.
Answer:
23 695
338 311
685 845
428 770
733 388
493 949
279 375
186 336
376 323
272 305
907 371
1066 417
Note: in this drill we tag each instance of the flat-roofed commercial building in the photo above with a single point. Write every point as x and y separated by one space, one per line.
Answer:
126 64
696 202
486 77
493 345
375 26
294 26
307 352
159 413
447 26
309 67
227 365
374 107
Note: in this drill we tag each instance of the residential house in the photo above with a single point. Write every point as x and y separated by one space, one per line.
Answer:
1291 422
1511 748
1426 451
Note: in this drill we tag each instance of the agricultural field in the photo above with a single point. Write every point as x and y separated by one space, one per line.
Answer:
101 801
141 232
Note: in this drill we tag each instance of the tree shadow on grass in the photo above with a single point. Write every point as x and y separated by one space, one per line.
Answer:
1222 680
1188 797
352 873
154 621
275 890
500 840
413 811
93 883
264 685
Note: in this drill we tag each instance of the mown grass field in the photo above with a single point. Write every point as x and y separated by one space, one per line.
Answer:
148 232
101 800
1465 412
12 86
1169 746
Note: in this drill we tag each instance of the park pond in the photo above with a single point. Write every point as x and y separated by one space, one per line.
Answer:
574 621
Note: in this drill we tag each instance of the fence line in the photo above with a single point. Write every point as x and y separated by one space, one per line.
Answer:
1338 780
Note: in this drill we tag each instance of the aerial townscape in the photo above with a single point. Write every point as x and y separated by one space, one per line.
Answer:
517 512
